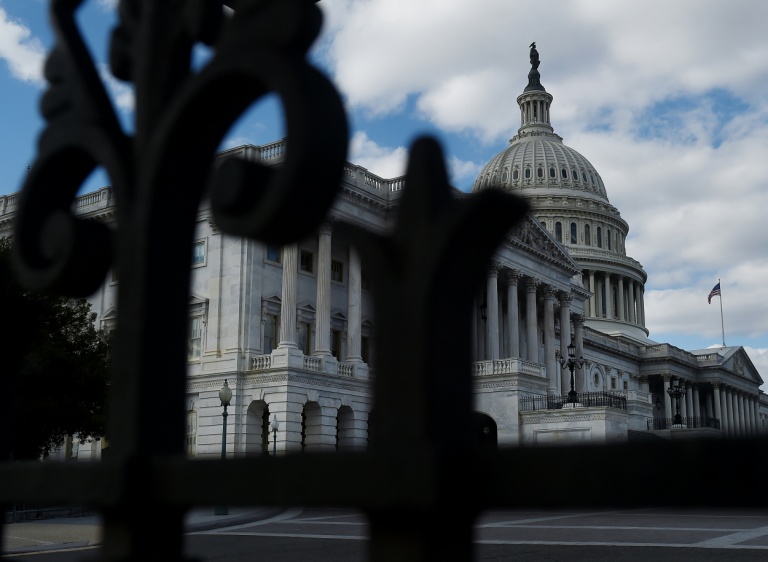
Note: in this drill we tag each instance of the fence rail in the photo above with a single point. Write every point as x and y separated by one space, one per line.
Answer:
585 399
691 422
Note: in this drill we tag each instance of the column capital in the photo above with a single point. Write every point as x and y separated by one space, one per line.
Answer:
642 378
494 268
512 276
717 384
549 291
565 298
577 319
667 378
532 284
325 228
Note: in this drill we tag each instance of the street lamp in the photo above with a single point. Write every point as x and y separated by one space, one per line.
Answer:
572 364
676 392
225 395
274 426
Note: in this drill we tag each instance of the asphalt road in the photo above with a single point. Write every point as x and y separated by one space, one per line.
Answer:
308 535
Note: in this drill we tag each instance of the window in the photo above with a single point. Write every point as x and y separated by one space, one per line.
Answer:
583 177
552 172
608 238
516 174
587 235
559 231
505 176
273 254
574 174
191 433
599 237
527 173
539 172
271 327
574 236
195 338
306 261
336 344
337 271
564 173
305 336
198 253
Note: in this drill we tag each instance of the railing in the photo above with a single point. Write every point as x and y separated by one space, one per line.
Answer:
508 366
691 422
261 362
272 151
312 364
585 399
345 370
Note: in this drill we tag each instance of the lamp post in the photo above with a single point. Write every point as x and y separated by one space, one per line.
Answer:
225 395
572 364
676 392
274 426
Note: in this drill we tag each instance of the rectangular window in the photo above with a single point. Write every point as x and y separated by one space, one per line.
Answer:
271 327
336 344
574 239
306 261
273 253
305 335
337 271
191 433
195 337
198 253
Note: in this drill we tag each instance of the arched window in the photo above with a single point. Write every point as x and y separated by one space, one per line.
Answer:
583 177
599 237
574 236
505 175
539 172
574 174
527 173
516 174
559 231
552 172
608 238
564 173
587 235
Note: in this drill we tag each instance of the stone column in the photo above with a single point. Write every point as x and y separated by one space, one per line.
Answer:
641 295
742 415
683 409
752 416
732 419
724 410
578 341
475 354
513 314
608 297
289 296
668 411
689 400
354 313
696 404
594 293
492 326
549 340
565 338
323 311
532 329
718 409
620 296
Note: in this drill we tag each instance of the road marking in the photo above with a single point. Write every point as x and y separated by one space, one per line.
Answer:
617 528
514 522
297 536
732 539
287 514
28 539
595 543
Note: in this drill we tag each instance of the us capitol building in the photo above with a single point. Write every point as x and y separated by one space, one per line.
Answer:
291 329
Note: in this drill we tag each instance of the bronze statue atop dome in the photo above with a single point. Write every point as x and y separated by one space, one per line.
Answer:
534 76
534 56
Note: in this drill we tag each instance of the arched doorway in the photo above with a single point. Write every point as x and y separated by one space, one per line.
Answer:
257 428
311 426
345 428
484 431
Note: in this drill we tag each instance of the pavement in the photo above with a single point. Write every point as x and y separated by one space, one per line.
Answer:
65 533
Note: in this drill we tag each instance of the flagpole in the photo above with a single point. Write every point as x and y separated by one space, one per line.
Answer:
722 324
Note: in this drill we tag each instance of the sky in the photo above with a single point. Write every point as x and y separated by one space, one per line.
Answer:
668 101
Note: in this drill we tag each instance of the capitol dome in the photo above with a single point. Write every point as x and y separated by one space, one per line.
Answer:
568 197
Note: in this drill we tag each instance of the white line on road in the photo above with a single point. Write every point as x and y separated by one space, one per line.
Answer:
732 539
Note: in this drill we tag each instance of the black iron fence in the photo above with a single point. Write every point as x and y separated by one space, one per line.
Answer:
585 399
691 422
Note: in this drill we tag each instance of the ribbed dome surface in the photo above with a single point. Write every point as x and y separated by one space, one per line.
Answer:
543 165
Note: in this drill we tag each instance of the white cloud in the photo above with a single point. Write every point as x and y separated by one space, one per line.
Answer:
108 4
23 53
121 92
383 161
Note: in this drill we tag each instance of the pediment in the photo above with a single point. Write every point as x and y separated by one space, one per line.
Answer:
740 363
533 237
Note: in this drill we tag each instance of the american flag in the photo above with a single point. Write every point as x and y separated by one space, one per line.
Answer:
713 293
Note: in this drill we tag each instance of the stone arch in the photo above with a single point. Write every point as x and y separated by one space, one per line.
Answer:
345 428
257 428
311 426
484 431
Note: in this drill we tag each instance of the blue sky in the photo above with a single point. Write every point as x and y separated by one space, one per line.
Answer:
672 111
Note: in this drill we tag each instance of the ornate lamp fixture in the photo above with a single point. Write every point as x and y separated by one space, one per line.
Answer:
676 392
572 364
274 426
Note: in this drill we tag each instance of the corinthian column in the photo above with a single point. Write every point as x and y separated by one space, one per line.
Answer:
492 327
565 336
323 313
354 314
513 314
289 296
531 320
593 298
549 340
620 296
718 407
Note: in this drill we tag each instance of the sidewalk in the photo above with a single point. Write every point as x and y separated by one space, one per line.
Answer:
79 532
